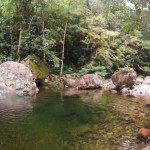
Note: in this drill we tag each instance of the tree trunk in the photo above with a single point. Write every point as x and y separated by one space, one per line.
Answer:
43 36
64 39
88 4
29 33
63 49
11 35
29 27
19 43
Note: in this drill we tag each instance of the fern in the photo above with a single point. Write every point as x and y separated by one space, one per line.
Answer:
90 68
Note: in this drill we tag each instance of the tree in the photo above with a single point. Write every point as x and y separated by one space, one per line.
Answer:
70 34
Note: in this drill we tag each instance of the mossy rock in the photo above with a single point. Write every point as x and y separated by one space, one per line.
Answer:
37 66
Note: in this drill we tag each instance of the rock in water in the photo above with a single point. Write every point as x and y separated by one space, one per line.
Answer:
125 77
16 78
147 80
143 134
86 82
89 81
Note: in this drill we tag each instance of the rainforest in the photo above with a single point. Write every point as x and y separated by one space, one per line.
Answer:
74 74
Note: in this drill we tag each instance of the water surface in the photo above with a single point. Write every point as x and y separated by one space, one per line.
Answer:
73 120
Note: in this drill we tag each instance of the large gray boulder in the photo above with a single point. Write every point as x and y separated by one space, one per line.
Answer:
125 77
88 81
16 78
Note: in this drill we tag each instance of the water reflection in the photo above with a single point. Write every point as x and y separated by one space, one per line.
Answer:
72 120
85 95
13 106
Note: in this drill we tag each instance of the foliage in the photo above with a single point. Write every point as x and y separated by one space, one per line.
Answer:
70 69
4 58
91 68
101 35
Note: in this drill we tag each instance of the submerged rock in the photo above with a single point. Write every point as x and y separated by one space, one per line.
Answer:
143 134
16 78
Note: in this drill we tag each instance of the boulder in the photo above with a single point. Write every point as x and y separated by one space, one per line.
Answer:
139 91
147 80
125 77
126 91
139 81
88 81
16 78
108 85
37 66
146 148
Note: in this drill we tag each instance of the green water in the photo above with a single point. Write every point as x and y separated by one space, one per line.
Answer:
73 121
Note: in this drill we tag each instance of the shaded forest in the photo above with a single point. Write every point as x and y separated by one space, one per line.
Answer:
83 36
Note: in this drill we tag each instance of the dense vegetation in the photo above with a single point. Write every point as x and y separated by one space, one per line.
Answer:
84 36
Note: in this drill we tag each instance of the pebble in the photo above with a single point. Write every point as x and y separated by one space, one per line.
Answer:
143 134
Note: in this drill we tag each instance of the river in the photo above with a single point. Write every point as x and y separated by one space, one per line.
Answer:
73 120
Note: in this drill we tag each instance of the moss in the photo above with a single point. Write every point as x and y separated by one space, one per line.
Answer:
38 67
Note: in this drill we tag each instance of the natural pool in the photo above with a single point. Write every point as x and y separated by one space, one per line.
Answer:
73 120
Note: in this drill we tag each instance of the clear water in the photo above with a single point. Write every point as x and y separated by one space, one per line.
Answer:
72 120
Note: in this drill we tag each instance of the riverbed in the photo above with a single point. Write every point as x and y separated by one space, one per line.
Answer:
74 120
